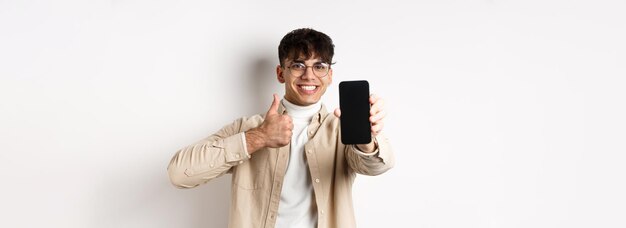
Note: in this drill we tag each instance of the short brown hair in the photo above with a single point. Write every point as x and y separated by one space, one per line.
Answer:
306 42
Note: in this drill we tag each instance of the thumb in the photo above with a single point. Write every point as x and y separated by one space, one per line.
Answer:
274 107
337 112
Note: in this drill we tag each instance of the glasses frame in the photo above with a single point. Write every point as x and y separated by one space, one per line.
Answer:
291 72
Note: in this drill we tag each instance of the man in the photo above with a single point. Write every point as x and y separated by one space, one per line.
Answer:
289 167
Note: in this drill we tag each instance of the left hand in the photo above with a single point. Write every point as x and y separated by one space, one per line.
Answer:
377 116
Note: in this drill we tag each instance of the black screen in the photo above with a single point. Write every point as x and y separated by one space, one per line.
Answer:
355 112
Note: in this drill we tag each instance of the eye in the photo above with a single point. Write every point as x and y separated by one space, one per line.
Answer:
320 67
297 66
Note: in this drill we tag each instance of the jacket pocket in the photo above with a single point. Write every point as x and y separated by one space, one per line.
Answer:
251 174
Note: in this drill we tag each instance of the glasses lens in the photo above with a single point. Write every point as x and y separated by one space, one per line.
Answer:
320 69
297 69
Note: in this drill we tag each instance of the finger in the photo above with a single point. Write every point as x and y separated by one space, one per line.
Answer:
287 119
377 128
378 117
274 107
377 106
373 98
337 112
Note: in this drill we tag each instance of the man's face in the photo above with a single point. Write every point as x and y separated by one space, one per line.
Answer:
308 88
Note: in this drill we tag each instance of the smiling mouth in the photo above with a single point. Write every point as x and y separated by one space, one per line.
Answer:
308 88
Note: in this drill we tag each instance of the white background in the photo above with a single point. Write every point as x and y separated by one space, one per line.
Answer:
502 113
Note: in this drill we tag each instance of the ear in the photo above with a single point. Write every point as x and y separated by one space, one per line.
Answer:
279 74
330 75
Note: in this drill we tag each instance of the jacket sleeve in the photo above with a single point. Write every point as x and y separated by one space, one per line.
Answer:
374 163
209 158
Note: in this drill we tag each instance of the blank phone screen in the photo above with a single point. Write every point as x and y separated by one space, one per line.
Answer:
355 112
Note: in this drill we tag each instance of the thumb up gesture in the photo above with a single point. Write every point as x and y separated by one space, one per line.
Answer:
274 132
277 127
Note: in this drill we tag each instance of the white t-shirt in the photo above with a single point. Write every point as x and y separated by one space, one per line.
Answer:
297 202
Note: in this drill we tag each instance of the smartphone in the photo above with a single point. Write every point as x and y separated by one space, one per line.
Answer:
354 102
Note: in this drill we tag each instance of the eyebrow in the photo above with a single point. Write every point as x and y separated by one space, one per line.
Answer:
302 61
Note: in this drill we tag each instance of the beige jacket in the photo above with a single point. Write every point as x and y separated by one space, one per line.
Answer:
257 179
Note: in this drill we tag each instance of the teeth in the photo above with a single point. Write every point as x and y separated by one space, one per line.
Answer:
307 87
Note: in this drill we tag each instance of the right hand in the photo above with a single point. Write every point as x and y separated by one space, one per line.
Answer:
276 128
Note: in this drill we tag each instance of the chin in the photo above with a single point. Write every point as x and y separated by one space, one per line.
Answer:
311 100
306 102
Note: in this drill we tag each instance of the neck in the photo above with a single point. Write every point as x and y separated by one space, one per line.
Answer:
301 111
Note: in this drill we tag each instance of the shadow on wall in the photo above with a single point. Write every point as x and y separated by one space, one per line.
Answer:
206 205
261 83
212 200
139 199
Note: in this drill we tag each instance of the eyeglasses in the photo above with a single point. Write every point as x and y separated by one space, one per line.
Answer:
319 69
